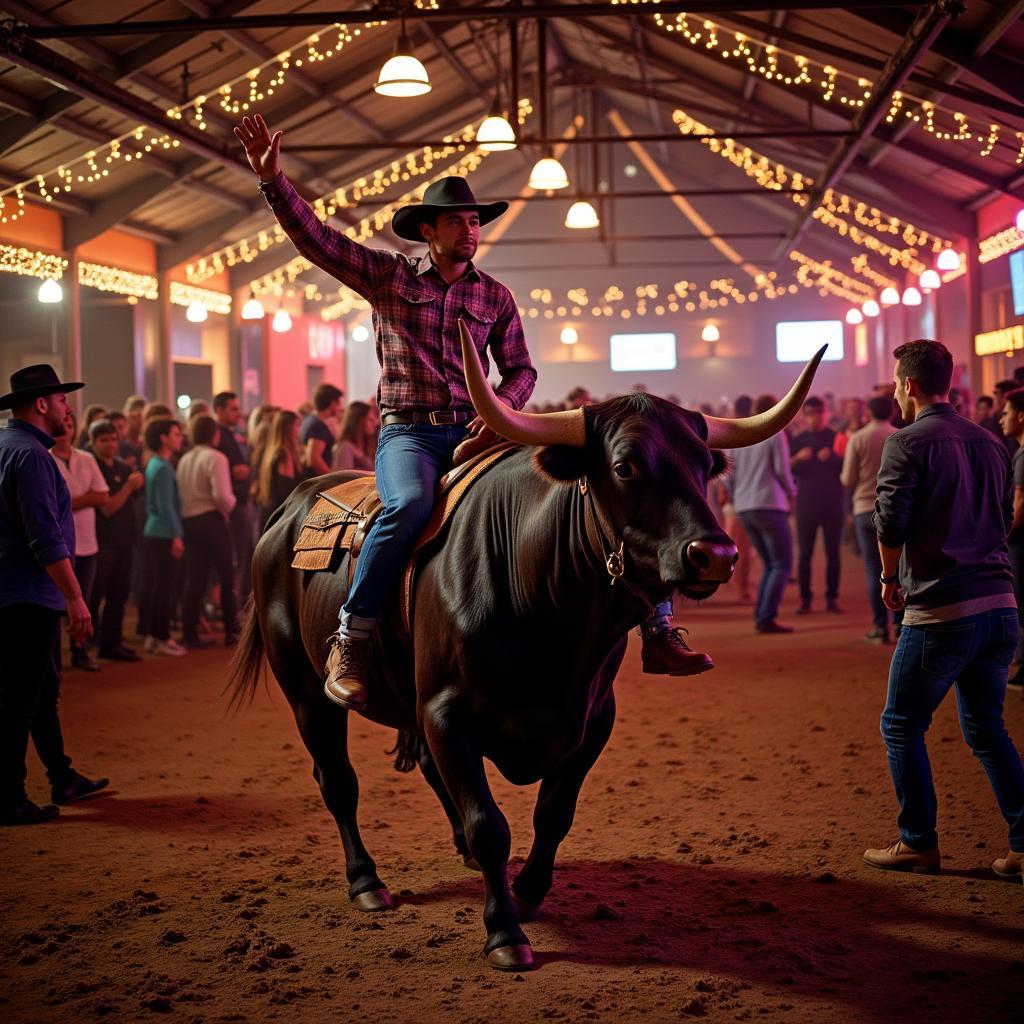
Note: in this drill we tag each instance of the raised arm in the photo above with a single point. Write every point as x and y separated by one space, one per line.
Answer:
356 266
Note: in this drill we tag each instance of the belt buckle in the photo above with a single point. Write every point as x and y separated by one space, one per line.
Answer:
439 418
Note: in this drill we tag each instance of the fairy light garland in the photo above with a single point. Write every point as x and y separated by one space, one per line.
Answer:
348 302
906 258
1000 244
120 282
861 266
31 263
828 280
185 294
406 168
789 69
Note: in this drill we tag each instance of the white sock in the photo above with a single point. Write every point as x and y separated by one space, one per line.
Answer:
355 628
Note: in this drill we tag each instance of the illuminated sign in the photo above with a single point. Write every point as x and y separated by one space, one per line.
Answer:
797 340
995 342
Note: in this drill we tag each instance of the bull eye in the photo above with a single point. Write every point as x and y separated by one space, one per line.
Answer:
624 471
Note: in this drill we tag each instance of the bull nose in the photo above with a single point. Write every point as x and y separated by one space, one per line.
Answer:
713 560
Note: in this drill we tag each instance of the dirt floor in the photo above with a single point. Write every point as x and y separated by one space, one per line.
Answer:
713 871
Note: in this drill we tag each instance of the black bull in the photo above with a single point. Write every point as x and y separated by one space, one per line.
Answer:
518 635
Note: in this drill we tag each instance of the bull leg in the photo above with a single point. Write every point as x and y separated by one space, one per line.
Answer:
461 768
324 730
436 783
556 807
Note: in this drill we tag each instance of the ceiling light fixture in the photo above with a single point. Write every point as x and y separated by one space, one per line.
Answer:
889 296
50 291
402 74
710 333
870 308
548 175
854 316
930 280
581 216
196 313
911 296
496 135
253 308
569 336
949 259
282 321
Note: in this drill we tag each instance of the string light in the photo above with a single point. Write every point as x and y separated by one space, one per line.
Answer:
1002 243
861 266
348 302
828 280
120 282
412 165
788 69
187 294
31 263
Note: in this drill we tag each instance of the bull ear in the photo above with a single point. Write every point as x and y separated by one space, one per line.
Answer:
720 464
561 462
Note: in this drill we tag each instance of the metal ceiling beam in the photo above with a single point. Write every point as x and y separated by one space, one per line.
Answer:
925 29
391 12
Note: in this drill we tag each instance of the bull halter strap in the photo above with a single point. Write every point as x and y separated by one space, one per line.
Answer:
614 560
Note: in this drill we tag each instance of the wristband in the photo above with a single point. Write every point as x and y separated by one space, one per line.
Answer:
886 580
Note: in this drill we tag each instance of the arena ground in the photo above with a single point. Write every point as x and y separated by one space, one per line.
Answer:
714 869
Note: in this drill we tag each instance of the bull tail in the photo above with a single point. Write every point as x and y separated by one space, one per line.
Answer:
247 662
408 749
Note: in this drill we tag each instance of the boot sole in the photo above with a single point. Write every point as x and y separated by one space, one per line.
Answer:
652 670
1009 876
913 869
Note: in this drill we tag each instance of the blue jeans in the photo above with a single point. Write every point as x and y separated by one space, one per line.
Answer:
867 541
768 530
973 655
410 460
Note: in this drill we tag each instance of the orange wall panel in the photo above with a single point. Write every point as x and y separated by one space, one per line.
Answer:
37 228
116 249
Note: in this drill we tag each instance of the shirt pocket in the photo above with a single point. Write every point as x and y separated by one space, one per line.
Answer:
415 297
479 319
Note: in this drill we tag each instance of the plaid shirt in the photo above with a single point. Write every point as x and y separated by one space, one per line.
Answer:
415 314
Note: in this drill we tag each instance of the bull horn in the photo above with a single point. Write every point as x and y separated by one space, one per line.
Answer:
521 427
748 430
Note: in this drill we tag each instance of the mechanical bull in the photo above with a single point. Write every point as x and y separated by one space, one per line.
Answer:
521 618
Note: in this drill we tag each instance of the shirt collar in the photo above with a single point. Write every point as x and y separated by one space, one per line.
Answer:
935 409
426 264
44 439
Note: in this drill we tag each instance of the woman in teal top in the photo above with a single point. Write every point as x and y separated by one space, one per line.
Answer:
162 536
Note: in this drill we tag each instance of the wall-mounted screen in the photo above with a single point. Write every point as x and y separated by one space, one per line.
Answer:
1017 281
636 352
797 340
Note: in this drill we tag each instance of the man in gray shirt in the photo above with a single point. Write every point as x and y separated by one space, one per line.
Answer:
762 489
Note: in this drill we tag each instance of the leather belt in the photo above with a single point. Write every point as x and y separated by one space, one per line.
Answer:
437 418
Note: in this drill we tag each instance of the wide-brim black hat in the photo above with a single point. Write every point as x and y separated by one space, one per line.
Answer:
450 193
33 382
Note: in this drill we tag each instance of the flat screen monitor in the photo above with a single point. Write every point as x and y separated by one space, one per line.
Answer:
797 340
1017 281
637 352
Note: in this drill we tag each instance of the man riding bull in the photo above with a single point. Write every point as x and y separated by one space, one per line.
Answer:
428 423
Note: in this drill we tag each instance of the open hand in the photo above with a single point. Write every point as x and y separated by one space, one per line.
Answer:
263 151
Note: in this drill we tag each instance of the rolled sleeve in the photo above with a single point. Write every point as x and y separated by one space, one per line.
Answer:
508 345
38 503
898 478
354 265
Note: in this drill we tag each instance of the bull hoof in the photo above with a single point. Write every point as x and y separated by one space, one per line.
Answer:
527 912
373 901
472 863
511 958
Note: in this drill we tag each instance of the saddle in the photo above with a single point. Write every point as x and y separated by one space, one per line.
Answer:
342 516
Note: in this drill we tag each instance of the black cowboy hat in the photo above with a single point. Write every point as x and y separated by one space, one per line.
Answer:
35 382
447 194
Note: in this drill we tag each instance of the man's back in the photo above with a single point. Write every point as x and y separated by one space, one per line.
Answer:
945 492
861 462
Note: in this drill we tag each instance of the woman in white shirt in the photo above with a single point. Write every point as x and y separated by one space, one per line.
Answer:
207 498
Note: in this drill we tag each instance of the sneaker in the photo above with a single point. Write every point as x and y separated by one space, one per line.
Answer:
169 647
346 672
877 636
773 627
149 644
666 653
1011 866
900 857
25 812
804 607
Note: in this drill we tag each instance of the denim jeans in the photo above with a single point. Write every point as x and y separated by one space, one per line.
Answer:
973 655
768 530
867 541
410 460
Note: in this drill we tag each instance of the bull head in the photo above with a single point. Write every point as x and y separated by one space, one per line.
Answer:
569 428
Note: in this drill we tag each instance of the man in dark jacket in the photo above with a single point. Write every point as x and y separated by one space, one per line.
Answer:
37 585
942 511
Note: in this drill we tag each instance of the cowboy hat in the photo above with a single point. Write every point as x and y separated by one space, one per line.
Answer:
37 381
450 193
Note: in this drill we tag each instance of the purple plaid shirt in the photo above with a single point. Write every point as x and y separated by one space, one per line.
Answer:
415 314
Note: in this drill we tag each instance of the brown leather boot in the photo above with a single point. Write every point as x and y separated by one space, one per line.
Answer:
1011 866
666 654
346 672
900 857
